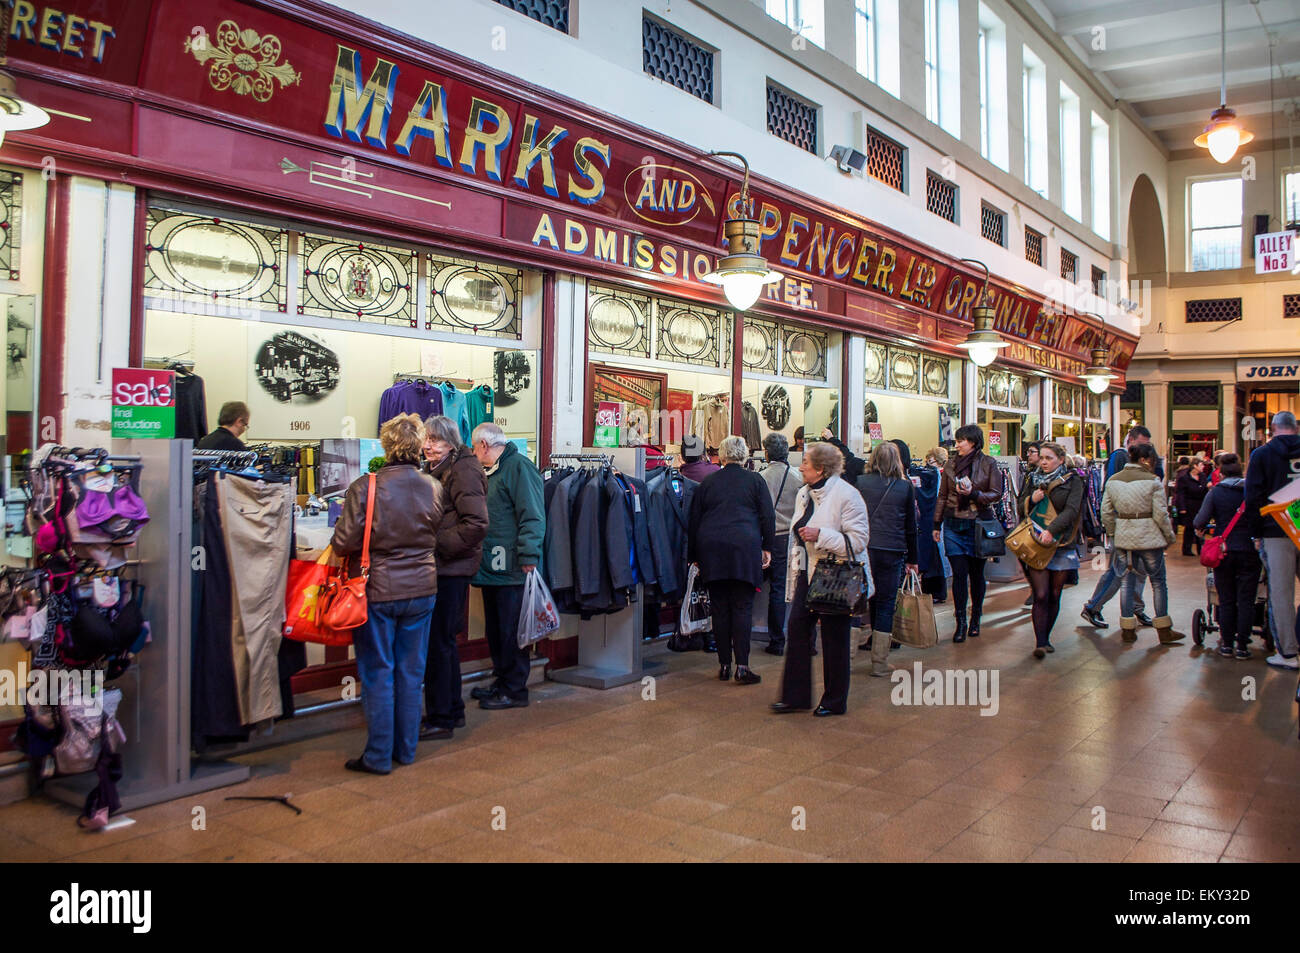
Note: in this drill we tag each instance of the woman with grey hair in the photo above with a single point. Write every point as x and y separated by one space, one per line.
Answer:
730 535
783 482
459 548
830 518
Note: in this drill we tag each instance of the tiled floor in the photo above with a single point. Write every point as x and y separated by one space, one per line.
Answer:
1155 746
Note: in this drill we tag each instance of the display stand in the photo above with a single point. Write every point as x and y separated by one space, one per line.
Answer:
609 646
155 711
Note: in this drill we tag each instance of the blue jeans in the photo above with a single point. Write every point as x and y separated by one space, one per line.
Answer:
391 649
887 574
1144 563
1108 585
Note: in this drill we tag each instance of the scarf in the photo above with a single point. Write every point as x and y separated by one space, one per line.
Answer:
964 464
1038 479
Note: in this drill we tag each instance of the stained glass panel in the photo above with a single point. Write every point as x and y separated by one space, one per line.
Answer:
688 333
618 322
877 374
473 297
356 280
934 376
803 353
904 371
205 259
758 350
11 208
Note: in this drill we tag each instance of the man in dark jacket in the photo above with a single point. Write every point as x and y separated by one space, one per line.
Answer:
1272 467
460 547
232 423
512 547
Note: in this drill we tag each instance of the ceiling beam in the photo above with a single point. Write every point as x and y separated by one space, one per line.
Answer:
1202 116
1204 83
1119 14
1147 54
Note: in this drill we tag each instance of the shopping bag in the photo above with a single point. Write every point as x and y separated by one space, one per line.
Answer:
302 615
538 618
697 614
914 615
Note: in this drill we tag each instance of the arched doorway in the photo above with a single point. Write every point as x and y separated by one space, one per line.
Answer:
1146 232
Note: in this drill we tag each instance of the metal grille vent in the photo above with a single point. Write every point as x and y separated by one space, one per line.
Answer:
1132 394
1291 306
791 119
1211 310
553 13
940 196
993 225
1069 266
885 160
1195 395
1034 247
670 56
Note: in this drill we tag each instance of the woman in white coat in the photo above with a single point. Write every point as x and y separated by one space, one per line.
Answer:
829 518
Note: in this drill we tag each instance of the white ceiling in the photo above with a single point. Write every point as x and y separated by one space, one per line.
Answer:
1163 58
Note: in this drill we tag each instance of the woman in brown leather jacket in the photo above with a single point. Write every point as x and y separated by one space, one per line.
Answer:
400 591
1056 484
971 483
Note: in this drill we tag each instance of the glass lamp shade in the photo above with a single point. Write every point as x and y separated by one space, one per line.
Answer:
1223 135
1098 383
982 355
16 113
742 289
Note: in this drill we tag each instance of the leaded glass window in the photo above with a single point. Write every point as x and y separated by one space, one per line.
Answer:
1068 401
803 353
11 209
687 333
1019 389
904 371
618 322
759 346
934 376
361 280
877 375
473 297
204 259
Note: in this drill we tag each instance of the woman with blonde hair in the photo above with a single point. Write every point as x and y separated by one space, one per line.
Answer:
890 499
829 519
400 590
934 565
1053 489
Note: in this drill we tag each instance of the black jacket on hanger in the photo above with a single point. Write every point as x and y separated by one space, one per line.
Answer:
670 507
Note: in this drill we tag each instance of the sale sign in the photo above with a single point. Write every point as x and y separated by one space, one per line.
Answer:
1274 253
995 443
608 419
144 403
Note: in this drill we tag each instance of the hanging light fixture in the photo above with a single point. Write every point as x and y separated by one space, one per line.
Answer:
1224 134
983 342
743 272
1099 374
15 112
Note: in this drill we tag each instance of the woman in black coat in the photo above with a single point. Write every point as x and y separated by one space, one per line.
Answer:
1189 493
731 533
891 508
1236 579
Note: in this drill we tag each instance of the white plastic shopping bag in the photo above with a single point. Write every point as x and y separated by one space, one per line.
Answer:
538 618
697 614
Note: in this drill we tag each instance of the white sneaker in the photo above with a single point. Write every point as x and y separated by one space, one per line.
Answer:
1281 661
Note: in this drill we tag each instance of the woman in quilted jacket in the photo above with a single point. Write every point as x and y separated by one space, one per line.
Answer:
1052 498
1135 513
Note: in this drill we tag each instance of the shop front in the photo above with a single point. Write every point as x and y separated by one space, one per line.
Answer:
911 395
1007 407
1265 386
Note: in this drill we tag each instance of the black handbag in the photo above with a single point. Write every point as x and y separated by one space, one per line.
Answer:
990 538
838 586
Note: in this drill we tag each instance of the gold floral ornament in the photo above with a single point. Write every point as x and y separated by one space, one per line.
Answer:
243 60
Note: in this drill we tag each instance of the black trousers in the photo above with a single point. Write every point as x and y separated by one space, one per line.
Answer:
1236 579
1190 541
443 704
968 579
501 608
796 679
732 602
776 592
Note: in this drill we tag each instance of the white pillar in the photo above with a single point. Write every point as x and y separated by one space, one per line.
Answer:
570 370
853 402
969 392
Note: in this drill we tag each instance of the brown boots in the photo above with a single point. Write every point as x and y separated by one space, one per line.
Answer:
1165 630
1128 628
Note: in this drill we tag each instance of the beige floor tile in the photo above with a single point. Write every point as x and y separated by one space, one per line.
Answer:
1205 840
705 843
983 848
1092 844
1156 852
1115 822
1220 818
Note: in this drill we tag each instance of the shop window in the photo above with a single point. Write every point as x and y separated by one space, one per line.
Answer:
940 196
552 13
885 160
1291 306
361 280
688 334
1033 247
11 232
473 297
759 346
803 353
993 224
877 371
676 59
618 322
206 260
905 371
1201 396
1069 266
1132 396
1212 310
1214 216
1094 406
791 119
1067 401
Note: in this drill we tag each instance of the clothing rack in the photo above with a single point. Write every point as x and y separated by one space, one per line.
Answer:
169 363
237 458
602 458
432 379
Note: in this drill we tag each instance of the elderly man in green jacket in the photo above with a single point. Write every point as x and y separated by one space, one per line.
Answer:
513 547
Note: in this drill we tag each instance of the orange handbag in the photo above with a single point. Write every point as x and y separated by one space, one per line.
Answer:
302 603
343 601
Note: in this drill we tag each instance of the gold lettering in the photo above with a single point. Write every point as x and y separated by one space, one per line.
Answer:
645 253
347 109
428 117
477 139
788 254
967 296
862 267
769 223
51 24
822 247
545 232
72 35
575 237
102 34
588 194
531 152
668 259
606 245
954 292
24 21
884 266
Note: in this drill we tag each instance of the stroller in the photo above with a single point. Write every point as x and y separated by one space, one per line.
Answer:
1206 621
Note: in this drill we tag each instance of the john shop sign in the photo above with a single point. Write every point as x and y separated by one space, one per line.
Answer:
144 403
1279 369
